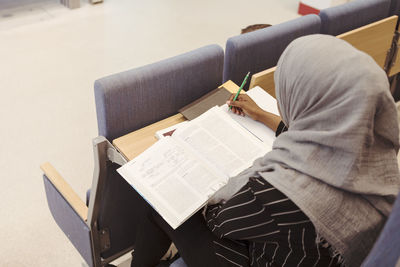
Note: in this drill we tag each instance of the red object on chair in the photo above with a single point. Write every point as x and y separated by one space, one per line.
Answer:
315 6
305 9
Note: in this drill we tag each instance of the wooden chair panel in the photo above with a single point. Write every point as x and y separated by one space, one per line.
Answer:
374 39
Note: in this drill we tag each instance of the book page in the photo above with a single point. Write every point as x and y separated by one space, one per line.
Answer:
267 103
172 180
258 129
221 141
263 99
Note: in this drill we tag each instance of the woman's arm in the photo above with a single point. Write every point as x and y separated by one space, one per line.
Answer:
245 105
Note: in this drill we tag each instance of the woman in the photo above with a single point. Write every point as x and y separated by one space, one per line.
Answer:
322 195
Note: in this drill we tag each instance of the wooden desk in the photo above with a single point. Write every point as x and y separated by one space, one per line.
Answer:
136 142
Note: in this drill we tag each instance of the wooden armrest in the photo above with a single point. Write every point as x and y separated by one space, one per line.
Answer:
65 190
264 79
133 144
231 87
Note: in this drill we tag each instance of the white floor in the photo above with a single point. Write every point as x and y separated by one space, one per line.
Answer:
49 58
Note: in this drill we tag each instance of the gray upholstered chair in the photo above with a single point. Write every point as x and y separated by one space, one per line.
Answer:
352 15
105 229
386 251
261 49
130 100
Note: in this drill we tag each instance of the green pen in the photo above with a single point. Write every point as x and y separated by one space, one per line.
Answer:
240 88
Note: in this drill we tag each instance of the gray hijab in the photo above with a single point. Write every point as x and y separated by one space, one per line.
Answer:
337 161
342 119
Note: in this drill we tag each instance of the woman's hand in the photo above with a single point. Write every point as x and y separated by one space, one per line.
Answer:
244 105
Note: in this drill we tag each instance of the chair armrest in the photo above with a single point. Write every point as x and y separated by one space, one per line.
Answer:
264 79
65 190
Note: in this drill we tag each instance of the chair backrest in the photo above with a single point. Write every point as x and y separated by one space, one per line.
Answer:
374 39
386 251
352 15
133 99
261 49
126 101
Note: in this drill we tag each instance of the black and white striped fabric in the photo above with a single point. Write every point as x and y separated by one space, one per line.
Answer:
259 226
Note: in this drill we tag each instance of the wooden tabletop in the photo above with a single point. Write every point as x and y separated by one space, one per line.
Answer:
136 142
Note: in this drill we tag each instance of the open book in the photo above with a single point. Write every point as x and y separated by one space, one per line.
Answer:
178 174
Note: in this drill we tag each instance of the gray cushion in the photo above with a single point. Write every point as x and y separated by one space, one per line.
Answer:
352 15
133 99
261 49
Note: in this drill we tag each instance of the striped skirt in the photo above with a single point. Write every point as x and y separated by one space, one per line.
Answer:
260 226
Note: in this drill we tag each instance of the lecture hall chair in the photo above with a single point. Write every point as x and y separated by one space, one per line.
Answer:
349 16
261 49
104 229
